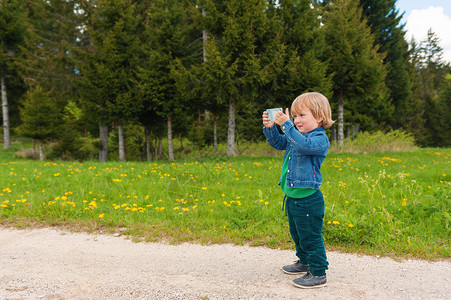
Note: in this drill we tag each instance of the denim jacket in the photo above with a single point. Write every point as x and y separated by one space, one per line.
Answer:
308 151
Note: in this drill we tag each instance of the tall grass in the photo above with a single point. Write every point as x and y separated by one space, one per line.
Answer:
378 141
382 203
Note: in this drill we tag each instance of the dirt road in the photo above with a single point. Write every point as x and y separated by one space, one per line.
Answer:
54 264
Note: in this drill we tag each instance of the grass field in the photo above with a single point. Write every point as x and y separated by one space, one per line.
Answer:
391 203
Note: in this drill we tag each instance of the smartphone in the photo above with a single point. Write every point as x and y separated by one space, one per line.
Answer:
272 113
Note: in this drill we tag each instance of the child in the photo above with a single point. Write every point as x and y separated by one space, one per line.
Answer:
305 143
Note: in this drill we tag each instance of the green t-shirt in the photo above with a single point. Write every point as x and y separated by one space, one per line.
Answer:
292 192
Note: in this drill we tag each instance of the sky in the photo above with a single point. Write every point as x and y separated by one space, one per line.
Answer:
421 15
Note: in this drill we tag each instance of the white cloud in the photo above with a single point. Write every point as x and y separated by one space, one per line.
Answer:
421 20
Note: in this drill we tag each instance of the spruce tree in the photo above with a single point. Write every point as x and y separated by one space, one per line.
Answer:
12 32
432 105
356 67
40 117
107 67
166 39
385 22
301 45
237 57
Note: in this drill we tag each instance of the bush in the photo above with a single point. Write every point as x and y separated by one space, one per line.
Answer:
378 141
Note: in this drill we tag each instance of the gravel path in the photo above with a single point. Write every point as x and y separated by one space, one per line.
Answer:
54 264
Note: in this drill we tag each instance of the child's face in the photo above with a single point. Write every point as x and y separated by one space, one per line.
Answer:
305 121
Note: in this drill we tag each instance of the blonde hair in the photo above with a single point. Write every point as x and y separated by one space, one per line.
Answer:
318 105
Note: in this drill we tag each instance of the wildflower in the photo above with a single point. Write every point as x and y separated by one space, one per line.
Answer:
335 222
204 187
101 216
350 225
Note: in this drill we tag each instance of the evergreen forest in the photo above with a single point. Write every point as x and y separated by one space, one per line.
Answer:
112 79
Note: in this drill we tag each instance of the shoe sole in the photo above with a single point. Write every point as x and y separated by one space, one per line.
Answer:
310 287
294 273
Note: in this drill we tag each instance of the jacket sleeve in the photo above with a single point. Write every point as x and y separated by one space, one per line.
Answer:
274 138
315 143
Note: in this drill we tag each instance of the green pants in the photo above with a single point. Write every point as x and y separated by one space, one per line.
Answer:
305 217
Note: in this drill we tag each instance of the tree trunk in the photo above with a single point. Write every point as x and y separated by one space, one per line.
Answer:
120 129
215 133
103 135
231 129
170 149
204 38
340 118
156 147
6 137
34 150
160 146
146 136
41 151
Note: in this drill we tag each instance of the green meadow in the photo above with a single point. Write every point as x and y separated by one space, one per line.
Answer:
389 204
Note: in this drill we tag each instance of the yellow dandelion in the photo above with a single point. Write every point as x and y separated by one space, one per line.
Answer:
335 222
101 216
350 225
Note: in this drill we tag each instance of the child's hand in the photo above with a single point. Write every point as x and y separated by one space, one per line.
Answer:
282 117
266 120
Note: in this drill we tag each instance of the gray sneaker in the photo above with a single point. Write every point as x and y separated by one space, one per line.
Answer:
308 281
296 269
